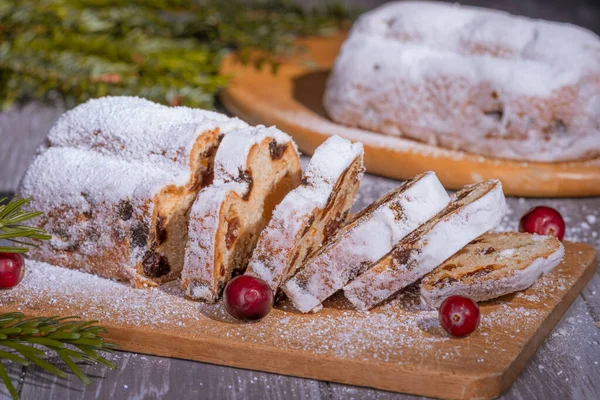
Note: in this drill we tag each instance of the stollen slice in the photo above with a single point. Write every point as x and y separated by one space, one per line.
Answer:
369 236
493 265
254 169
311 213
474 210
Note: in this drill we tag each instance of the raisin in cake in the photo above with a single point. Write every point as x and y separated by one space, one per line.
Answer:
254 169
491 266
311 213
474 210
363 241
116 179
473 79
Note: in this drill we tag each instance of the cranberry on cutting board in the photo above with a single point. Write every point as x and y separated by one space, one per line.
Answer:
12 269
248 298
543 221
459 316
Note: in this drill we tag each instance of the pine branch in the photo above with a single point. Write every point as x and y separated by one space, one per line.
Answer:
166 50
12 216
69 338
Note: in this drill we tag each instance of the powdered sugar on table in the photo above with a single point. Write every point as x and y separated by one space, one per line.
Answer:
399 330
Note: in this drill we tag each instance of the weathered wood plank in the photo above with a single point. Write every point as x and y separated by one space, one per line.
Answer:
16 373
591 296
566 366
148 377
22 130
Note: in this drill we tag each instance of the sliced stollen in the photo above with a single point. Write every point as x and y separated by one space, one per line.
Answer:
493 265
363 241
254 169
133 128
474 210
102 213
116 179
311 213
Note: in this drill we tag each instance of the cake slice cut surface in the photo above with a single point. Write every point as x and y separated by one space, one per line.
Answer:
311 214
474 210
255 168
369 236
492 265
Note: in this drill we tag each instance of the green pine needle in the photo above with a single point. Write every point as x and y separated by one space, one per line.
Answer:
68 337
168 51
12 216
6 379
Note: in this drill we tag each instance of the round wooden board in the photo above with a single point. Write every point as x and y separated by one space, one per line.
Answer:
291 100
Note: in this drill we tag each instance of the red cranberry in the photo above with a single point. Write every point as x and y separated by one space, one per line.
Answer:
12 269
459 316
543 221
248 298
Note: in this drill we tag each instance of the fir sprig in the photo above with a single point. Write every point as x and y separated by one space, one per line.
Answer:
22 341
168 51
12 216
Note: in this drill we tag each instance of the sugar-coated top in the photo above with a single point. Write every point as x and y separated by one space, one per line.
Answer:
75 177
365 240
231 161
526 55
474 211
235 148
328 163
135 128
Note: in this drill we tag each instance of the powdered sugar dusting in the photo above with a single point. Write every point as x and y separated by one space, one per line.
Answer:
274 251
481 210
327 164
202 229
233 179
402 331
85 174
469 78
515 275
365 240
234 149
113 172
138 129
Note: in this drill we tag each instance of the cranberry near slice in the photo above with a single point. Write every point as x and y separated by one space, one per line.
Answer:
247 298
12 270
459 316
543 221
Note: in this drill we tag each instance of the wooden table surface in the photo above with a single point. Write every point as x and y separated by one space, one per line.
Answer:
565 367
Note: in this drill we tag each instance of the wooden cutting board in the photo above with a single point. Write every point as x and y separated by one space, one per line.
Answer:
398 346
291 99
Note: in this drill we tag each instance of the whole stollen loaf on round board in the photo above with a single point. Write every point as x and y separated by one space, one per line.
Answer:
471 79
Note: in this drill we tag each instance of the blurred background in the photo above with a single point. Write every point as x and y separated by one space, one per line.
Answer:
55 54
169 50
584 13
